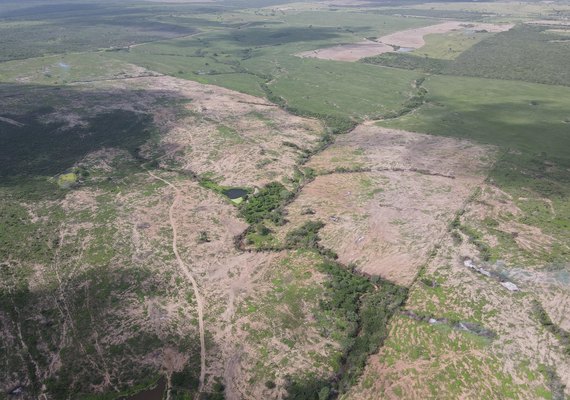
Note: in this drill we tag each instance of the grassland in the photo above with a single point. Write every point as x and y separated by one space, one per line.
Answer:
244 59
450 45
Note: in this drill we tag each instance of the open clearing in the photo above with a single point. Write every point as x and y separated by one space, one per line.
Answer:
386 216
410 39
226 136
425 355
414 38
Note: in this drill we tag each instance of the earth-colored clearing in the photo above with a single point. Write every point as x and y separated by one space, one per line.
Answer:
410 38
387 219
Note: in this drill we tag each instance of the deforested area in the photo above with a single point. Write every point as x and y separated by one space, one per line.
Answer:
266 199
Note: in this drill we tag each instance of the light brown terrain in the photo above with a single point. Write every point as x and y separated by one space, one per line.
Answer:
198 294
421 359
393 203
233 137
409 39
414 38
349 52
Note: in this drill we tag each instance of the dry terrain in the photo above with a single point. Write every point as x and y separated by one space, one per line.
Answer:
414 38
234 138
409 39
387 196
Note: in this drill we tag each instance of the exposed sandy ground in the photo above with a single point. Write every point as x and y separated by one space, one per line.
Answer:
381 149
411 38
227 278
160 225
349 52
414 38
525 263
386 220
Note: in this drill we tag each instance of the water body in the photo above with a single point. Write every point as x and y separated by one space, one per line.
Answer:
405 49
64 65
155 393
235 193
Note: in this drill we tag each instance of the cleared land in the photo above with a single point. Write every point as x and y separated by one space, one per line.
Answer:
411 39
122 262
414 38
229 137
349 52
103 270
387 218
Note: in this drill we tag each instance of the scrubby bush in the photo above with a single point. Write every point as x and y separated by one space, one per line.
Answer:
305 236
266 204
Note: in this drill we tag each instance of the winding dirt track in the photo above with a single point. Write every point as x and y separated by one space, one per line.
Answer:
186 271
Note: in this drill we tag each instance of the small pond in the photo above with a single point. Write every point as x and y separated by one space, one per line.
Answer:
154 393
405 49
235 193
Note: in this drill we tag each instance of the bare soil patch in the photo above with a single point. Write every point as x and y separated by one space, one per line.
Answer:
418 355
388 218
414 38
410 38
349 52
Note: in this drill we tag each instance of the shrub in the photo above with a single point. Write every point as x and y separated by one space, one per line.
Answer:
266 204
305 236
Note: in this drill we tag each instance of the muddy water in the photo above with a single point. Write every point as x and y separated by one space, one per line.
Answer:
235 193
155 393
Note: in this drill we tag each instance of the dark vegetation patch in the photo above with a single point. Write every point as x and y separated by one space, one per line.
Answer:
525 53
542 316
307 236
275 36
367 306
409 61
46 149
415 101
266 204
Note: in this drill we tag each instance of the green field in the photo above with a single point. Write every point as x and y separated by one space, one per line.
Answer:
243 59
449 46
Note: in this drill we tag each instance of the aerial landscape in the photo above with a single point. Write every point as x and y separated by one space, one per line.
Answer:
272 199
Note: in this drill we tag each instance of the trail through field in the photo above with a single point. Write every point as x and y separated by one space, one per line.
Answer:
11 121
188 274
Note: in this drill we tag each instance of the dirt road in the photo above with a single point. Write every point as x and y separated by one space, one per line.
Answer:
188 274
